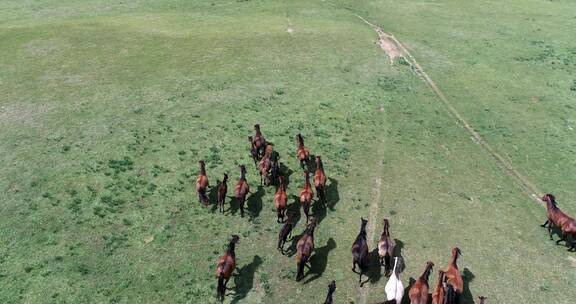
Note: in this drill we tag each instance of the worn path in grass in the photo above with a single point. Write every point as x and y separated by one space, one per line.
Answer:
390 45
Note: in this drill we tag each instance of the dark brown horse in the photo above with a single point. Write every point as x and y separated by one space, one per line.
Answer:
418 293
301 151
254 152
242 189
225 267
259 141
304 249
556 217
454 282
202 184
360 251
285 232
306 195
331 290
222 191
320 180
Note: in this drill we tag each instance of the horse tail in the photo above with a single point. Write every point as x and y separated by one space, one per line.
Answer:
300 272
221 288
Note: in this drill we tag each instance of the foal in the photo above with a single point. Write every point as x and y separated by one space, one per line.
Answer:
221 195
360 253
301 151
242 189
454 282
331 290
304 249
285 232
386 247
281 200
202 184
226 266
556 217
306 196
418 294
320 180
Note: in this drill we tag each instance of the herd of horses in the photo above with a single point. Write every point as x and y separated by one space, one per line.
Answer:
449 286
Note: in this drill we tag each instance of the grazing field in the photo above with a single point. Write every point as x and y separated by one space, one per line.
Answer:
106 108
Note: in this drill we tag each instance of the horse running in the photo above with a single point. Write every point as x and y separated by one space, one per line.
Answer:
202 184
386 247
360 251
242 189
225 267
304 249
221 194
281 200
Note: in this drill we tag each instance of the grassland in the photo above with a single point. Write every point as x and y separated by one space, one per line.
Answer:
106 108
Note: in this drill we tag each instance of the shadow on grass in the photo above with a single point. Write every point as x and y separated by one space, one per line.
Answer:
332 194
254 203
319 260
286 172
398 253
245 278
374 269
466 296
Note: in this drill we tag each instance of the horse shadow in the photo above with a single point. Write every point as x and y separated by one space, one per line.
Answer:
310 165
254 203
374 269
234 205
319 260
332 194
398 253
319 210
466 296
244 279
286 172
213 197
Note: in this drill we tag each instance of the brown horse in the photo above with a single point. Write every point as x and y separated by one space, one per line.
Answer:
556 217
242 189
265 167
320 180
259 141
301 151
438 293
202 184
304 249
285 232
386 248
306 196
418 294
331 290
221 194
360 255
226 266
253 151
281 200
454 282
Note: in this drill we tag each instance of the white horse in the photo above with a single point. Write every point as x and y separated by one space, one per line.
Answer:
394 288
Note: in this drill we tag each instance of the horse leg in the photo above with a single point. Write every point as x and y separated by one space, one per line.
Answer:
545 223
354 267
241 208
564 237
550 231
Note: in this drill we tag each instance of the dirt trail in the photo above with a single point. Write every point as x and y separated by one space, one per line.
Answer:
386 39
372 219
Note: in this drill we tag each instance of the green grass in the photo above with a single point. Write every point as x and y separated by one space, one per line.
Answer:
106 107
